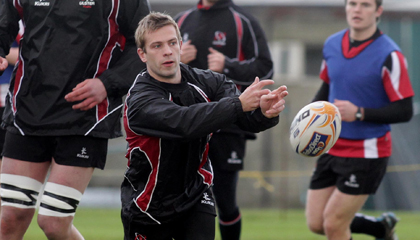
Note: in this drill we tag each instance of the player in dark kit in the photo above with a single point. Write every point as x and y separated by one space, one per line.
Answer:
77 60
170 113
220 36
365 75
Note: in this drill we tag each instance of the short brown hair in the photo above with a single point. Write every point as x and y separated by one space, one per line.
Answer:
378 3
152 22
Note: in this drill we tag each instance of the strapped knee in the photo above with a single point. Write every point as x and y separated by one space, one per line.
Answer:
59 200
19 191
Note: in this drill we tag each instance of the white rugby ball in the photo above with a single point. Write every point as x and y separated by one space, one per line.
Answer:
315 129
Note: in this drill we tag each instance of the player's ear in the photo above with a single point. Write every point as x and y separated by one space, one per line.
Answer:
142 54
379 11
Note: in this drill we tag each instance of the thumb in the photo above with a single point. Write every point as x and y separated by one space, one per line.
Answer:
256 81
212 50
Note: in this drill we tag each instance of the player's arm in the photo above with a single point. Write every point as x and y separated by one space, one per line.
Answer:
322 94
119 78
398 111
401 107
9 28
324 90
150 112
257 60
116 80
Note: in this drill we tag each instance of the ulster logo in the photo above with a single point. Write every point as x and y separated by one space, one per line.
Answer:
219 39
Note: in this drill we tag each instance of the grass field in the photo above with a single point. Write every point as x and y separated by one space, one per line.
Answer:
266 224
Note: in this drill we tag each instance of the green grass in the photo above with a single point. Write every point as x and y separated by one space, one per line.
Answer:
258 224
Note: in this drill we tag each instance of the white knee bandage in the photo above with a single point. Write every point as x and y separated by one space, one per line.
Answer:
59 200
19 191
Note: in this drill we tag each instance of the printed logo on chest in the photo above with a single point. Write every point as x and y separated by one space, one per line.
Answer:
219 39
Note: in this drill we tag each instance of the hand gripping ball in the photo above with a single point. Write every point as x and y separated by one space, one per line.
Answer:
315 129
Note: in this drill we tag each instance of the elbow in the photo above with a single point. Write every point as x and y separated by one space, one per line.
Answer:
408 115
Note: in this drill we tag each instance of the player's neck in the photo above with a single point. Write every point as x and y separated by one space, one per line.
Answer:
362 34
172 79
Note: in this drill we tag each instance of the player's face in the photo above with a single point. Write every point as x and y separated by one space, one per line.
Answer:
162 54
362 14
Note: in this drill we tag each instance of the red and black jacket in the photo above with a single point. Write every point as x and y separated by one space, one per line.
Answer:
64 43
234 32
168 128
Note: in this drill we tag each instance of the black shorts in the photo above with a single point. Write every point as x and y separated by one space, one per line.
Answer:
196 223
227 151
353 176
80 151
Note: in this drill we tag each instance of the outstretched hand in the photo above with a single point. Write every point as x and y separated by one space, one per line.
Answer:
3 64
273 103
251 97
91 92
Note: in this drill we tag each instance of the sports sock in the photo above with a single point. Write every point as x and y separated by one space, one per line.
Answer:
367 225
230 228
231 232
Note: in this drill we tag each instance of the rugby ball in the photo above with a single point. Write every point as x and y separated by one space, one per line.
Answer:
315 129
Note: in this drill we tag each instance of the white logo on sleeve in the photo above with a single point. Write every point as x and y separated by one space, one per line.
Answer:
353 182
83 154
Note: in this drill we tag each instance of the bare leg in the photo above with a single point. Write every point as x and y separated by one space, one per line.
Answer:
339 213
316 202
15 221
62 227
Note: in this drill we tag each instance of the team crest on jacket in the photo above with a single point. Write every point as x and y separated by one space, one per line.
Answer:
219 39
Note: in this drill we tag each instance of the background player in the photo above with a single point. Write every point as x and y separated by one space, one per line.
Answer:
78 58
220 36
365 76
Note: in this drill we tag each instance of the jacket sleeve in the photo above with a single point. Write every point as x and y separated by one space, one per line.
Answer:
257 62
150 112
119 78
153 114
9 26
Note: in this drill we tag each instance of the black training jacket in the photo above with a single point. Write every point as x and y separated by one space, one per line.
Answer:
168 128
232 31
64 43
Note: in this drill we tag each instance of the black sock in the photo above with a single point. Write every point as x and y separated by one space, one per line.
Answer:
367 225
231 229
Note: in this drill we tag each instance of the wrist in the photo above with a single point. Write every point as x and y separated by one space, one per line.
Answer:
359 114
